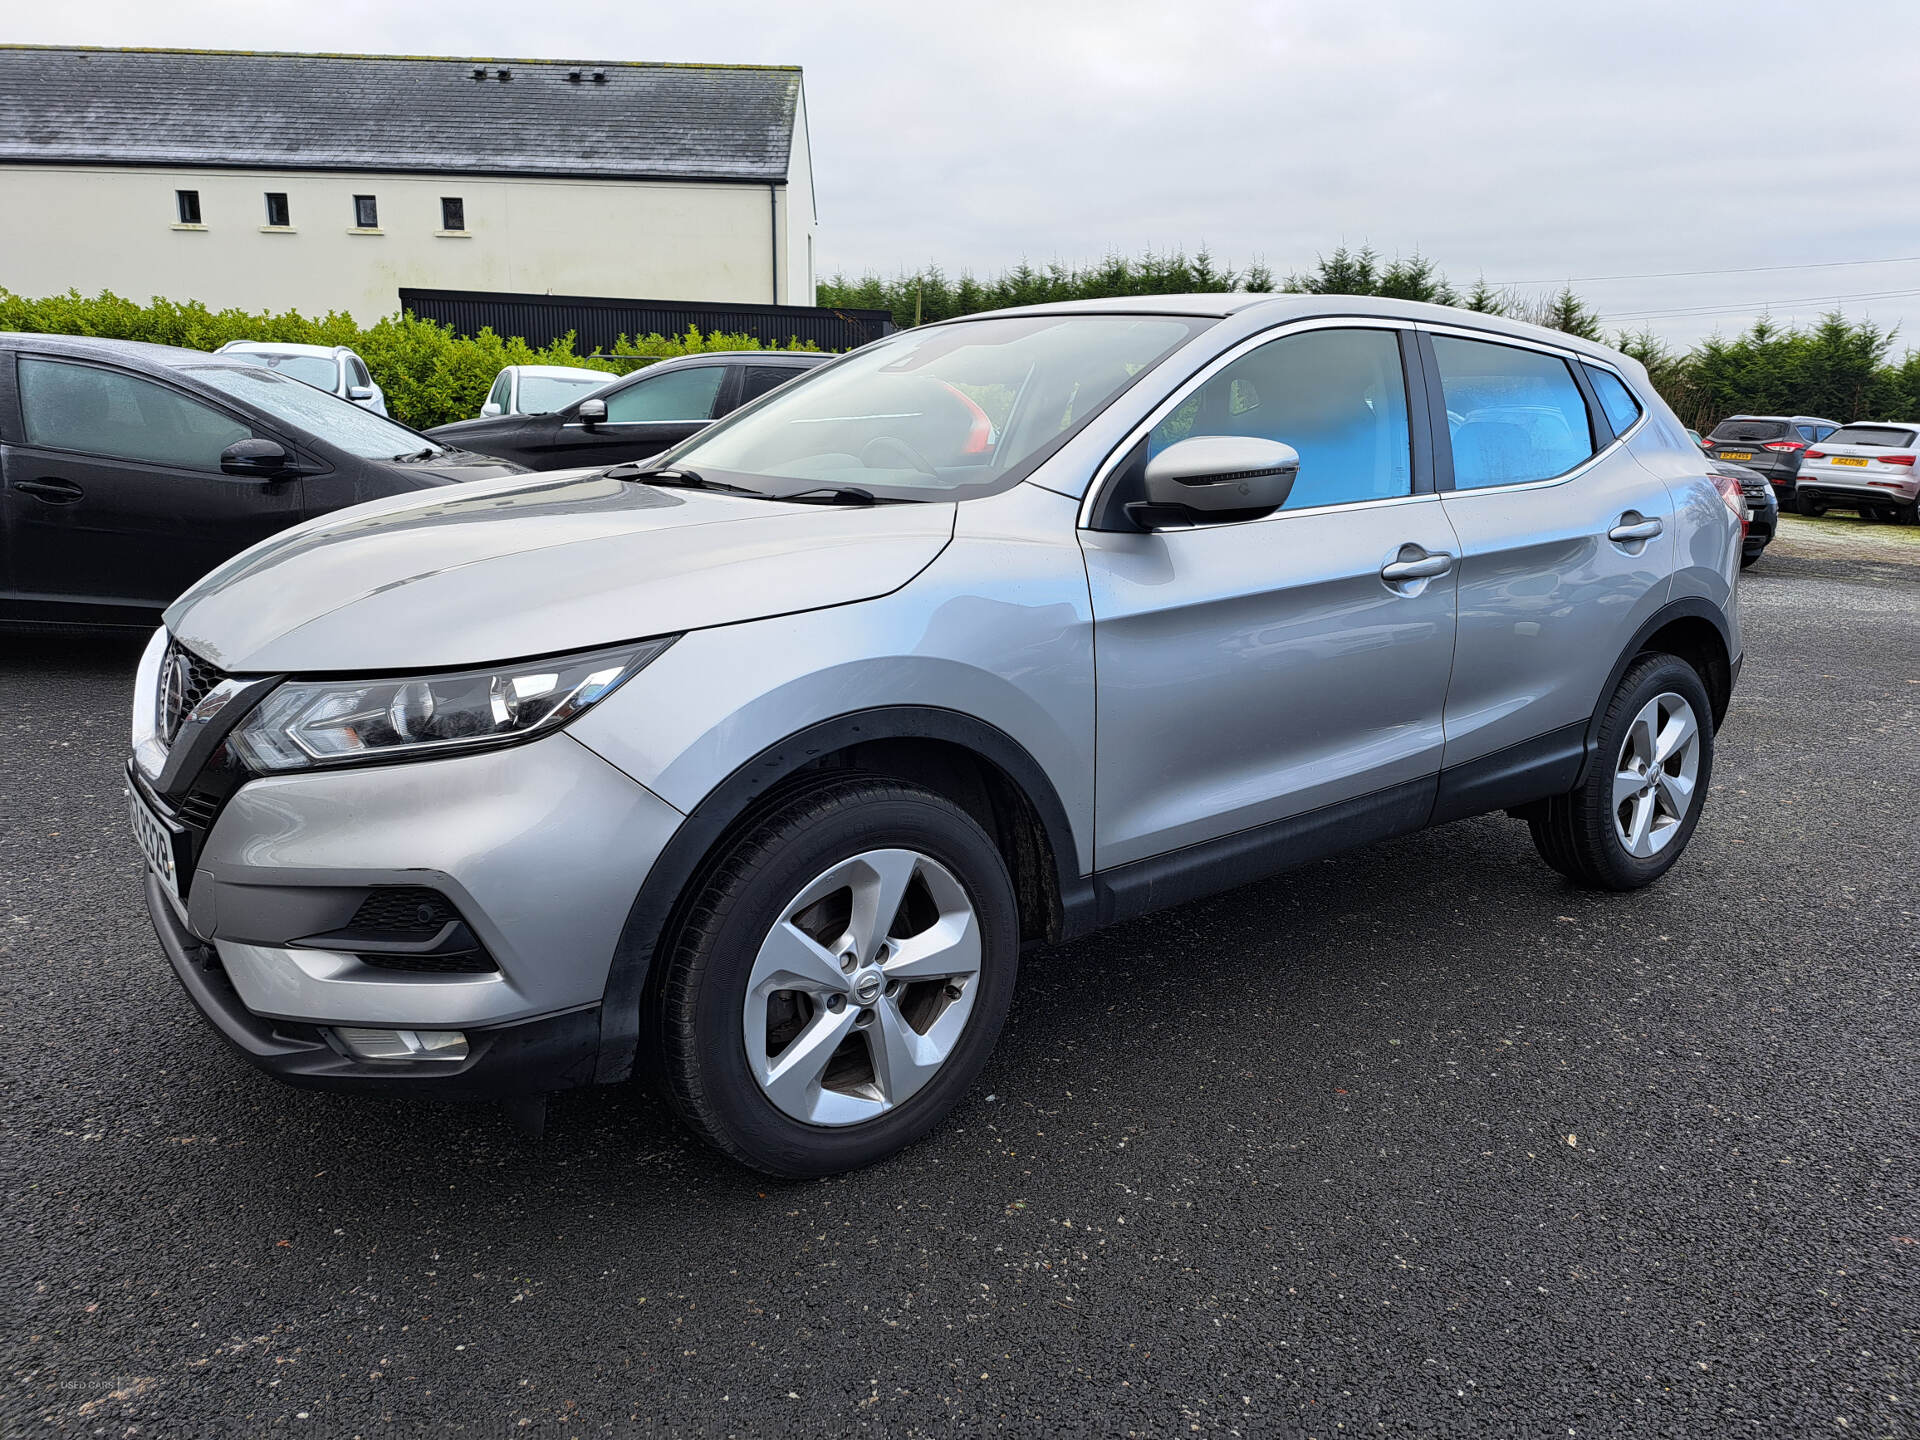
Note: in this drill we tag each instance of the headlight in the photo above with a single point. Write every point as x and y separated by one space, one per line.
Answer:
338 722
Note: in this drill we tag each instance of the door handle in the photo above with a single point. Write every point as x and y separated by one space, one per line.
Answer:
1630 530
56 492
1424 568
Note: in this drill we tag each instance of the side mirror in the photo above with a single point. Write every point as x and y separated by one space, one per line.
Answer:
260 460
591 413
489 410
1216 477
359 392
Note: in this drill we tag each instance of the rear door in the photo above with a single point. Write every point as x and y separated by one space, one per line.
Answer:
1565 540
1253 671
114 502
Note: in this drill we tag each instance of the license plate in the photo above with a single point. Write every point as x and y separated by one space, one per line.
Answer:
161 843
1847 460
1733 454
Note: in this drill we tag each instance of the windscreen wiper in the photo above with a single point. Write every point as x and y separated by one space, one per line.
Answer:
673 479
430 453
839 495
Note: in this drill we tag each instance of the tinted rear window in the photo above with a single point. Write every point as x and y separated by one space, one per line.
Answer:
1750 430
1890 436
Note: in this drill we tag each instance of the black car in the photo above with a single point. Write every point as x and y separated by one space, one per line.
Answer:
128 471
1774 445
1763 508
634 417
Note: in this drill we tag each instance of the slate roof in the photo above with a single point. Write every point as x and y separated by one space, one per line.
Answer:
237 109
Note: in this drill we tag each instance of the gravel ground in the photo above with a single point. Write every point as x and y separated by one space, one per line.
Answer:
1419 1141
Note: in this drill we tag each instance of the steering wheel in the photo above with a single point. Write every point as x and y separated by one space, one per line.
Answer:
884 451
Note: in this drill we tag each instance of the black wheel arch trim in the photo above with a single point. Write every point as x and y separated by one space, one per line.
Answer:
1688 607
693 843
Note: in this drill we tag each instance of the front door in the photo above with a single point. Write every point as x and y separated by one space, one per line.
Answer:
1254 671
115 503
654 413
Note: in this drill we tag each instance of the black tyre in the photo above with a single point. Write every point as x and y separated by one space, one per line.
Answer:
1746 560
1630 819
1811 510
840 978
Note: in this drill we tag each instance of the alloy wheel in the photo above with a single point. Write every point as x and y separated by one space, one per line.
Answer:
1654 778
861 989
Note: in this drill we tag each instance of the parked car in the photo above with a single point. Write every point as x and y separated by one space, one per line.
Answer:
1695 436
1763 508
762 761
332 368
636 416
128 471
1868 466
1772 444
539 389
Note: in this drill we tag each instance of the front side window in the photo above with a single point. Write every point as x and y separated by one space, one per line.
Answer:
543 394
1338 397
938 412
279 215
676 395
106 412
1515 415
340 423
453 213
188 204
1616 401
357 369
366 212
502 389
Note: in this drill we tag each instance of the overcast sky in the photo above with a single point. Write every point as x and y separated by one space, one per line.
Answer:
1529 141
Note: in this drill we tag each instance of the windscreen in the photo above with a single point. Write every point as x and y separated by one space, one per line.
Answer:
542 393
1890 437
1749 430
340 423
940 412
314 369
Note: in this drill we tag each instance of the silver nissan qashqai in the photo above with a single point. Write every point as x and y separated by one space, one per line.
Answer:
756 765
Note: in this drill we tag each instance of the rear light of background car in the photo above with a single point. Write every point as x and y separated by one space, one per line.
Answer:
1708 442
1786 445
1729 489
1815 455
1895 459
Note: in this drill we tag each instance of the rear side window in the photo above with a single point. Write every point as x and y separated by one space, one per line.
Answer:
1891 437
1339 397
1616 401
676 395
762 378
1515 415
1750 430
105 412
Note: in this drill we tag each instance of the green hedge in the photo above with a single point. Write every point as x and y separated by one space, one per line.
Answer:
430 375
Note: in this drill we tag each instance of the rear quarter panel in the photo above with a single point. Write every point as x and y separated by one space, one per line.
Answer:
1706 536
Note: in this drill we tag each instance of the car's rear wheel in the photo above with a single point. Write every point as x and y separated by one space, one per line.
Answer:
840 979
1629 820
1746 560
1812 510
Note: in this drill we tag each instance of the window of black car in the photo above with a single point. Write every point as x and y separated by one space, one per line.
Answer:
1616 401
1515 415
1338 397
1749 430
278 215
671 395
759 379
1890 437
340 423
453 213
366 212
188 202
540 394
68 406
932 413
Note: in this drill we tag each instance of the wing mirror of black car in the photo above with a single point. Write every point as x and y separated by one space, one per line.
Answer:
359 392
259 460
591 413
1213 478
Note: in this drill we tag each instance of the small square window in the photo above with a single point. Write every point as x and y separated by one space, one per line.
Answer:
278 215
366 212
189 203
453 213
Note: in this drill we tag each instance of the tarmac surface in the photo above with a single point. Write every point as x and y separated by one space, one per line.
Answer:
1417 1141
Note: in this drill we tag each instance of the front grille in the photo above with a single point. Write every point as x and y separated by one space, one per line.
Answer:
185 680
396 923
197 809
403 910
466 962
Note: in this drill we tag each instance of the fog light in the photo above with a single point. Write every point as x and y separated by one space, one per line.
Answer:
402 1044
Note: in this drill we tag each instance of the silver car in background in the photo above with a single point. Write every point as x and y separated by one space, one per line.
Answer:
540 389
335 369
756 767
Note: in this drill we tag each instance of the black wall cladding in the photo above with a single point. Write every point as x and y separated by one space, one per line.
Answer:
598 324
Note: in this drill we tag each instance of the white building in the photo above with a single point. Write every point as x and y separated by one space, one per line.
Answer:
327 182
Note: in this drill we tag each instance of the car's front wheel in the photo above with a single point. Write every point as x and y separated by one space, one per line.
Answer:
1627 822
840 978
